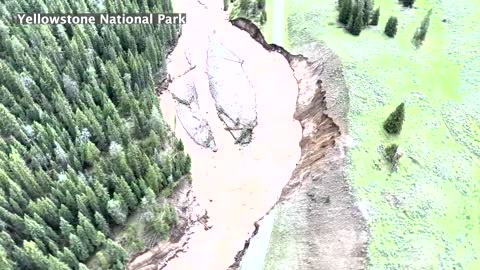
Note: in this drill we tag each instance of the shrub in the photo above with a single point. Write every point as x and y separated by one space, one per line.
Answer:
390 152
375 17
391 27
393 124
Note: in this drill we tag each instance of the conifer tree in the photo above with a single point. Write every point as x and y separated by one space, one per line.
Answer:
375 17
66 228
65 102
52 247
225 5
391 27
407 3
102 223
345 7
100 239
83 236
66 214
34 256
116 211
244 4
77 247
115 252
393 124
355 22
87 228
126 193
67 256
82 266
5 262
390 152
421 32
367 11
56 264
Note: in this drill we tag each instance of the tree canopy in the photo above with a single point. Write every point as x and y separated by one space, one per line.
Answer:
80 131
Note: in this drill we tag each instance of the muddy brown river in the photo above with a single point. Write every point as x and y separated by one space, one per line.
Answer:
236 184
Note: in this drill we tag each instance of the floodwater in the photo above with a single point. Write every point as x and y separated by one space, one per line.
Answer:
237 185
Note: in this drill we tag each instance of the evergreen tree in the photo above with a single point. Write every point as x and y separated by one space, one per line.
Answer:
67 256
52 247
102 223
244 5
152 177
116 211
77 247
375 17
263 17
188 165
66 214
393 124
355 22
82 206
99 240
390 152
102 195
115 252
87 228
421 32
34 256
367 11
180 146
407 3
345 7
126 193
103 261
68 97
391 27
82 266
5 262
261 4
83 236
66 228
56 264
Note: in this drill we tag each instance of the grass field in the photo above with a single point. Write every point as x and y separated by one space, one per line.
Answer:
427 214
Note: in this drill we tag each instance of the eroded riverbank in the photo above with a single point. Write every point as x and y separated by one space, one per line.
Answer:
317 224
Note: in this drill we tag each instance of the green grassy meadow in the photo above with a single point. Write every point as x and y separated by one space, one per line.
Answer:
427 214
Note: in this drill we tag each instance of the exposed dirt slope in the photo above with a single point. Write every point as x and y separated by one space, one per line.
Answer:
318 225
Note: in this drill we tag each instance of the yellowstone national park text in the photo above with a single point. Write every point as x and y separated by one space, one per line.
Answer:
152 18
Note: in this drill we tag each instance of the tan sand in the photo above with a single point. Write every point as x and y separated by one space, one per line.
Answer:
237 185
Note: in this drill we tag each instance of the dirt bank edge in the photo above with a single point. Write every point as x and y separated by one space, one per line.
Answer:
322 105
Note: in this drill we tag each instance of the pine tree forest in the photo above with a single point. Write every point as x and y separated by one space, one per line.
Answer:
82 139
